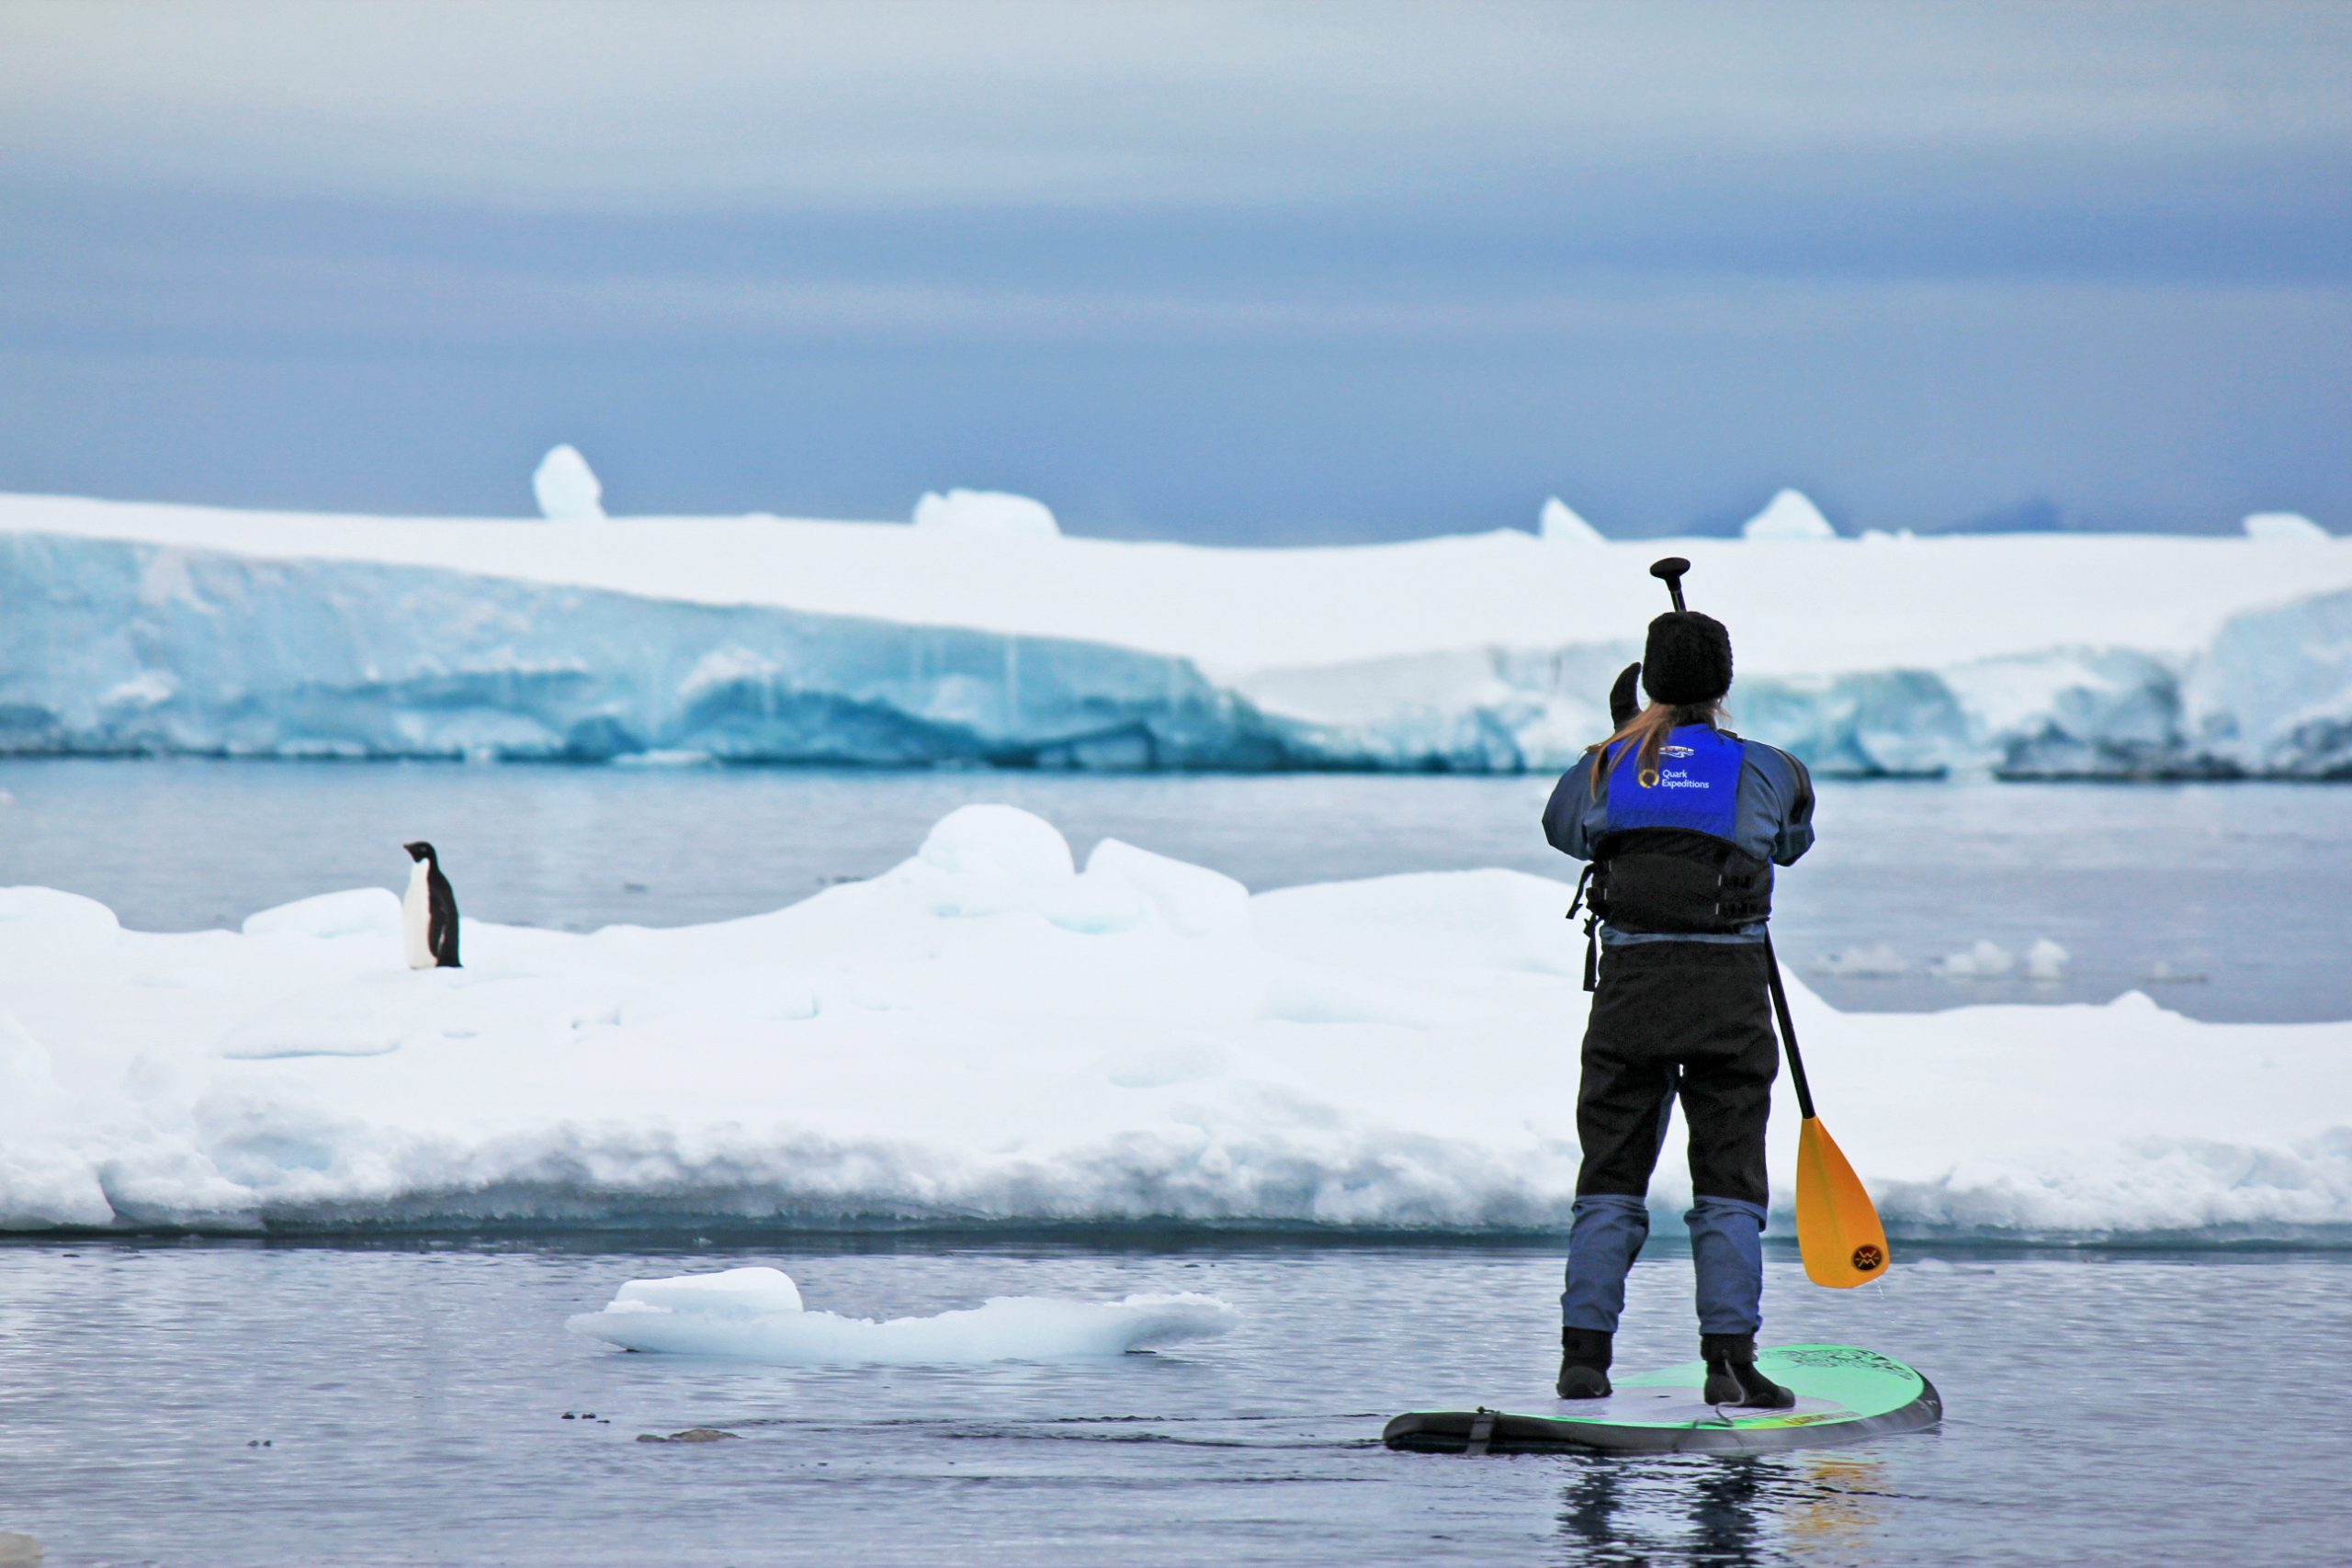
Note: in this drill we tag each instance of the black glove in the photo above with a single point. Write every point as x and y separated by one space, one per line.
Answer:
1626 697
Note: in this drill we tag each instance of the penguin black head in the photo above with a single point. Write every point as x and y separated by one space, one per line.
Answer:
419 851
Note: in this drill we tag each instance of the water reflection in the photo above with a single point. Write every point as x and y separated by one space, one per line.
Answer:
1843 1513
1724 1512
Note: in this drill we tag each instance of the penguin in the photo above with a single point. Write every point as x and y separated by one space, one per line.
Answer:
429 913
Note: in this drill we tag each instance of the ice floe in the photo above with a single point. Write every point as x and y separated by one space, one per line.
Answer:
997 1031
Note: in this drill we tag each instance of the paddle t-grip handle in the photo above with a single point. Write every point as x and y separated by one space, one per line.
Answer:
1669 571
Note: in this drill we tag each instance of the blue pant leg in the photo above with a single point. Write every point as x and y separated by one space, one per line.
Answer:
1605 1234
1727 1250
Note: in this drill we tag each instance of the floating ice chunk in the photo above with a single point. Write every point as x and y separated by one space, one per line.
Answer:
1788 516
1000 841
2167 973
1877 961
986 512
567 488
1985 960
2045 960
1558 520
755 1315
2284 528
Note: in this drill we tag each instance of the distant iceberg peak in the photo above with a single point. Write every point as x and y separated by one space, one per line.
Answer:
1790 514
566 486
1559 521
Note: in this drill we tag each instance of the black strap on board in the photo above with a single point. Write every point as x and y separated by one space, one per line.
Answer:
1482 1431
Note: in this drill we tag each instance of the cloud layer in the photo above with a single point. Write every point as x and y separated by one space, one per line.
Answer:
1228 271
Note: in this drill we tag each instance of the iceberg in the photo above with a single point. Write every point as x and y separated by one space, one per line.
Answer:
994 1034
145 628
130 649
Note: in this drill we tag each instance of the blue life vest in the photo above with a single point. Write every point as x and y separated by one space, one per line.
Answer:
1695 787
1669 859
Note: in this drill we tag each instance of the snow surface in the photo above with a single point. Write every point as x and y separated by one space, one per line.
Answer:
986 512
756 1314
567 488
988 1033
146 628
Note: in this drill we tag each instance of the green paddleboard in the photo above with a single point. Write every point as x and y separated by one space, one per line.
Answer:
1844 1395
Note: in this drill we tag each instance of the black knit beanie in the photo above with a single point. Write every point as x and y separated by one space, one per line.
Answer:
1688 660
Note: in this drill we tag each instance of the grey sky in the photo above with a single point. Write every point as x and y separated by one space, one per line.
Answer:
1222 271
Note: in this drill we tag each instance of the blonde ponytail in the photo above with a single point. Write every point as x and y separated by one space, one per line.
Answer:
1647 731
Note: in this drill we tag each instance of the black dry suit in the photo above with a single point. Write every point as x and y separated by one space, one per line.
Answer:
1680 887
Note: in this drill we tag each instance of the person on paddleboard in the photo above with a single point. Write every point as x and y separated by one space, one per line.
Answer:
1682 822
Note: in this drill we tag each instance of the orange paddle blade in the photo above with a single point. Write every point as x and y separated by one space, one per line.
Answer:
1837 1228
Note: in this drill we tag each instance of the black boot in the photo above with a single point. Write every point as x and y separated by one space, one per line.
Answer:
1732 1377
1584 1363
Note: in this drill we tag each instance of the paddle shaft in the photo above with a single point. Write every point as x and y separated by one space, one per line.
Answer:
1788 1030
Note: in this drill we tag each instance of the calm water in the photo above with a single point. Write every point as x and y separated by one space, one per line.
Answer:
2142 1410
2243 884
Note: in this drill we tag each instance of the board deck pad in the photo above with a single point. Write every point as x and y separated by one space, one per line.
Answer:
1844 1395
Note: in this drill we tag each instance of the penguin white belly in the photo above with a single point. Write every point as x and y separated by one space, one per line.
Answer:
416 920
